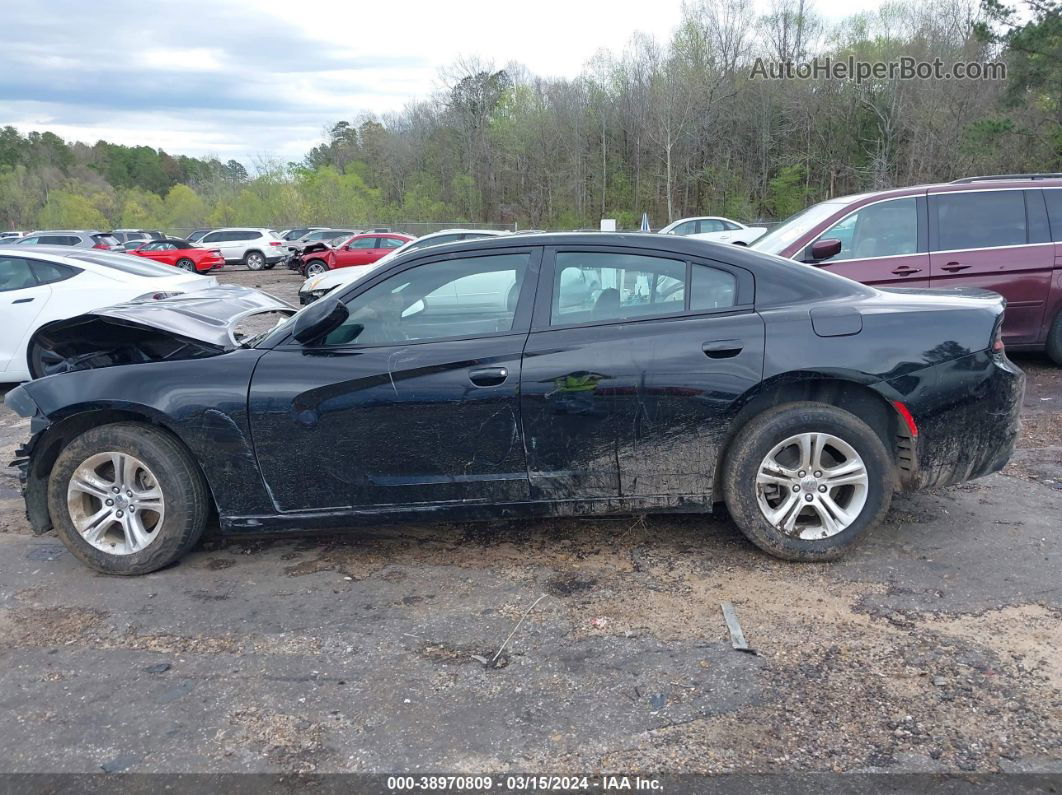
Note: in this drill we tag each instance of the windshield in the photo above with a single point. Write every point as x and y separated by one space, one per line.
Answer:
787 233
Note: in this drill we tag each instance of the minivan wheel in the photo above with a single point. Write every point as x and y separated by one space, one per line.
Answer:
805 481
315 267
1054 340
127 499
254 260
186 265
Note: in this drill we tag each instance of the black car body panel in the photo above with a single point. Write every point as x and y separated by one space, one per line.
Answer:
590 418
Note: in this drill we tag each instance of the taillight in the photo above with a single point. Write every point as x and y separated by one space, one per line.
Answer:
997 339
276 243
101 245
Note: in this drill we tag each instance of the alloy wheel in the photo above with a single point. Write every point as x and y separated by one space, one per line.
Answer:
255 262
115 503
812 486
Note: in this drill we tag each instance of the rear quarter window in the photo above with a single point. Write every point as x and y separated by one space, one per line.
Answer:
1053 197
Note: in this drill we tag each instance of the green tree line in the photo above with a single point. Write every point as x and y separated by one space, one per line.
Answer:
672 129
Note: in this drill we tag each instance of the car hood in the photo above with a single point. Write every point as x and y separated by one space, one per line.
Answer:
210 315
204 323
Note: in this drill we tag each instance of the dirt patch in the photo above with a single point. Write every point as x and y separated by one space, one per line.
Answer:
569 583
48 626
291 742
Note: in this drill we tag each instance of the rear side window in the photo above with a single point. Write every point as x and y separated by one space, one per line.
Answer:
15 274
1053 197
711 288
710 225
596 287
106 240
59 240
390 242
979 219
51 272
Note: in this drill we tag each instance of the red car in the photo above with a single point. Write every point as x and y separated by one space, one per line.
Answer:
182 254
1001 233
363 249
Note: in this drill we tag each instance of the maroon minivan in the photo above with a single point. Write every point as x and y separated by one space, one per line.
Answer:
1002 233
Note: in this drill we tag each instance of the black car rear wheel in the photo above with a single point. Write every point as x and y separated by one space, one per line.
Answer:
127 498
805 481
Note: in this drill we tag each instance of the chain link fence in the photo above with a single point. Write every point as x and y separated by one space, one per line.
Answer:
416 228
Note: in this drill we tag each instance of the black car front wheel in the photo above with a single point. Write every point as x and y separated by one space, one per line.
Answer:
805 481
127 498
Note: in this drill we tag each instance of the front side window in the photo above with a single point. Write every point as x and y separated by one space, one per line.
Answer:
685 228
980 219
885 229
453 298
214 237
364 242
599 286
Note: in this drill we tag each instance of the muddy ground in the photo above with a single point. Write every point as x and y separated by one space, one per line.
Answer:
936 646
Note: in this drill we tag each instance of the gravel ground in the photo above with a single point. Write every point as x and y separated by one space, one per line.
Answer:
935 647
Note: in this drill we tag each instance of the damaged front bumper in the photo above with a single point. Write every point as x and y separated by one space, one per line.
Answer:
34 487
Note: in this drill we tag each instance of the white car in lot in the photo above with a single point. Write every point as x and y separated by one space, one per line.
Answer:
714 227
316 286
46 283
258 249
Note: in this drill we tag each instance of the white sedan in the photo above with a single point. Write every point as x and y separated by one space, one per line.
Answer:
316 286
713 227
45 283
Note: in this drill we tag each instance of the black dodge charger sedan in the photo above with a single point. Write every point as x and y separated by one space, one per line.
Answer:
521 376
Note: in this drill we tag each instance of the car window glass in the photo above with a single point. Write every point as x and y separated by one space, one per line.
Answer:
1053 197
592 287
51 272
459 297
390 242
686 228
729 225
15 274
884 229
32 240
711 225
213 237
711 288
364 242
980 219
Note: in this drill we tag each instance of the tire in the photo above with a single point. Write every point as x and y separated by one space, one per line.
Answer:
315 267
254 260
1054 340
814 532
186 264
165 467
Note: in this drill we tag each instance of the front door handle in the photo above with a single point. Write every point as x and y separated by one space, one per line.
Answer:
906 270
722 349
22 300
488 376
951 267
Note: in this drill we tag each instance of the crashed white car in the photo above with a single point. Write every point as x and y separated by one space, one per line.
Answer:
316 286
713 227
44 284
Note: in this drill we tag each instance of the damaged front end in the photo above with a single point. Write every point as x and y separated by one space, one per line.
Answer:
190 326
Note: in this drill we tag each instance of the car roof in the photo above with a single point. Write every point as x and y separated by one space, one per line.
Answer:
79 257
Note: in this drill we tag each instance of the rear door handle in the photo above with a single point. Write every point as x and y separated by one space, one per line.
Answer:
22 300
951 267
722 349
488 376
905 270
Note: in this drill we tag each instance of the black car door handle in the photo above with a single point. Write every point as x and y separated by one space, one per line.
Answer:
905 270
951 267
22 300
488 376
722 349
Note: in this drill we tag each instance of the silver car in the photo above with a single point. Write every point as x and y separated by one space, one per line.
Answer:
78 238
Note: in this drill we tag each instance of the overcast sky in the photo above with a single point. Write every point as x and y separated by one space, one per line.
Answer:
264 78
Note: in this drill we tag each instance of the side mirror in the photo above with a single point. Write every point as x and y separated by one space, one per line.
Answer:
824 249
319 320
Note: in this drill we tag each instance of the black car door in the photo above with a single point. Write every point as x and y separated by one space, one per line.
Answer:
413 400
630 371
